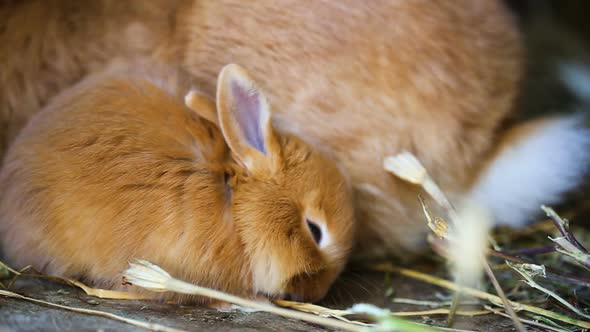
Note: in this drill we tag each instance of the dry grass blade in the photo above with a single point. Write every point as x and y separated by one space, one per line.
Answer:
438 226
147 275
105 293
8 268
432 304
505 301
496 300
468 227
134 322
160 276
441 311
320 311
528 271
387 322
552 273
150 276
567 244
312 308
407 167
527 321
562 225
96 292
339 314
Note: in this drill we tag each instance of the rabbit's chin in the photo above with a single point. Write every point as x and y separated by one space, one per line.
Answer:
275 280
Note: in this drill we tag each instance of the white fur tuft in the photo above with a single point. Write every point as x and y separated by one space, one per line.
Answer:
536 170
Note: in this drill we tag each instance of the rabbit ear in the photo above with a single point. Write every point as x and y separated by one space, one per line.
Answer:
202 105
244 118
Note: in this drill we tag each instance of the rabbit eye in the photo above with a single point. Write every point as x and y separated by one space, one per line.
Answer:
315 230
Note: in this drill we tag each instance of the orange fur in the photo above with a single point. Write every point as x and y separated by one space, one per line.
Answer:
118 168
360 81
364 80
49 45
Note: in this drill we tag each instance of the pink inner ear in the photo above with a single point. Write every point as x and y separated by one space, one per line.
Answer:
247 113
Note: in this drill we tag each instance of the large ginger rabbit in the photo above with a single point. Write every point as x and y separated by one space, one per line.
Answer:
47 46
363 80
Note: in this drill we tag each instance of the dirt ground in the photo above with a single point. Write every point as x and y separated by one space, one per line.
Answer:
20 315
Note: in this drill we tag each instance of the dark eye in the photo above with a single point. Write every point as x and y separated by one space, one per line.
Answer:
315 230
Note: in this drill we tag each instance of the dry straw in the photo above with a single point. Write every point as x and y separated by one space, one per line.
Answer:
153 277
147 275
134 322
494 299
467 238
150 276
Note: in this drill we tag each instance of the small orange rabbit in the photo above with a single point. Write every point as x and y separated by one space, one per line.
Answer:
118 168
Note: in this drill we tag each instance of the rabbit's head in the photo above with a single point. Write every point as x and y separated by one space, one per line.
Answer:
291 205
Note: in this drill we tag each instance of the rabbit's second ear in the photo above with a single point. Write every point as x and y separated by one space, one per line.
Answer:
244 118
202 105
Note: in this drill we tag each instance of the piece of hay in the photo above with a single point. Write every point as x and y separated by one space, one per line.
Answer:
494 299
529 322
157 273
134 322
145 274
529 271
96 292
468 237
567 243
150 276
